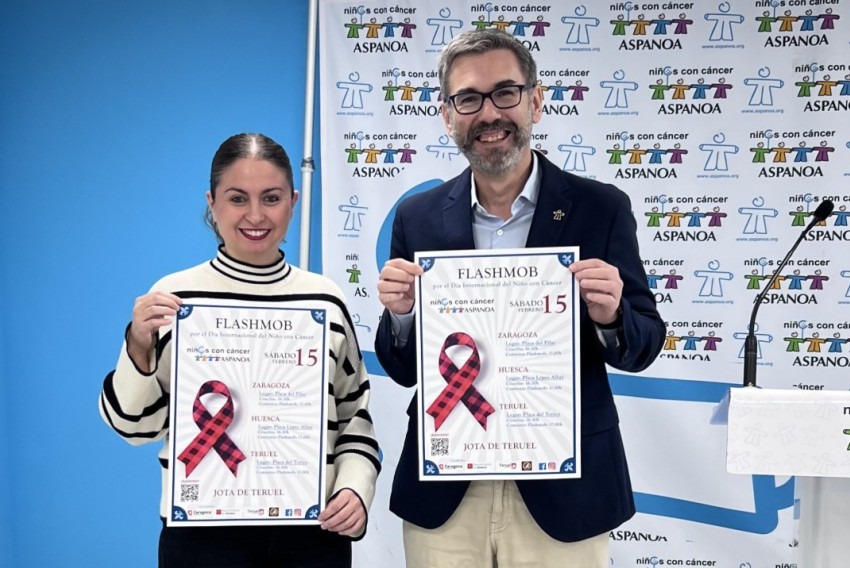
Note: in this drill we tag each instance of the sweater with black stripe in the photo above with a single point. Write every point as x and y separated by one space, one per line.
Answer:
135 403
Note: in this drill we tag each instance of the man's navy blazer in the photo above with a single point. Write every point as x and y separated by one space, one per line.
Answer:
570 211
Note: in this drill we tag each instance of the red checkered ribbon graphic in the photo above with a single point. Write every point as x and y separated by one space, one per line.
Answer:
460 386
213 431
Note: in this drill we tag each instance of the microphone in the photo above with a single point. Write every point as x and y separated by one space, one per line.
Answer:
823 211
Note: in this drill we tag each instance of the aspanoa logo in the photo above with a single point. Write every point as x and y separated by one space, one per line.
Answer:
217 355
646 155
791 28
378 155
411 92
817 344
791 154
447 306
823 86
685 218
642 32
800 286
690 90
379 29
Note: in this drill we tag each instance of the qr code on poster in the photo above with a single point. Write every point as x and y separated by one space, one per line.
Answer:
439 446
189 492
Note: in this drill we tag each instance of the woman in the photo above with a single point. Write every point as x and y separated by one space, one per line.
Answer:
251 201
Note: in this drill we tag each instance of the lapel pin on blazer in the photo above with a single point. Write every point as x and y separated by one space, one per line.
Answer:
557 215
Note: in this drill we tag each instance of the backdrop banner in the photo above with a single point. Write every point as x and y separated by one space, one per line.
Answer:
726 124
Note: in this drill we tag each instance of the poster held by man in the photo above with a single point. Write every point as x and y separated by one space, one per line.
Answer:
499 369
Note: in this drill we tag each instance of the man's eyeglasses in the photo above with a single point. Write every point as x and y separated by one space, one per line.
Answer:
471 102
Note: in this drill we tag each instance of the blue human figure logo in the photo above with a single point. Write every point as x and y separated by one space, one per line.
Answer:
354 214
841 215
578 24
656 153
558 90
691 341
795 280
576 153
354 89
763 85
757 216
723 23
660 23
355 317
444 27
425 91
443 150
846 274
652 279
712 280
717 152
618 90
520 26
389 154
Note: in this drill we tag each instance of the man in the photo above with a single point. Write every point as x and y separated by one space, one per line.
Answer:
511 197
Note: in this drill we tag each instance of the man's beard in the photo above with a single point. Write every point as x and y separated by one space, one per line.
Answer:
492 162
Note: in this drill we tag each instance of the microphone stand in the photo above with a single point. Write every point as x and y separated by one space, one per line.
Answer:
750 343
